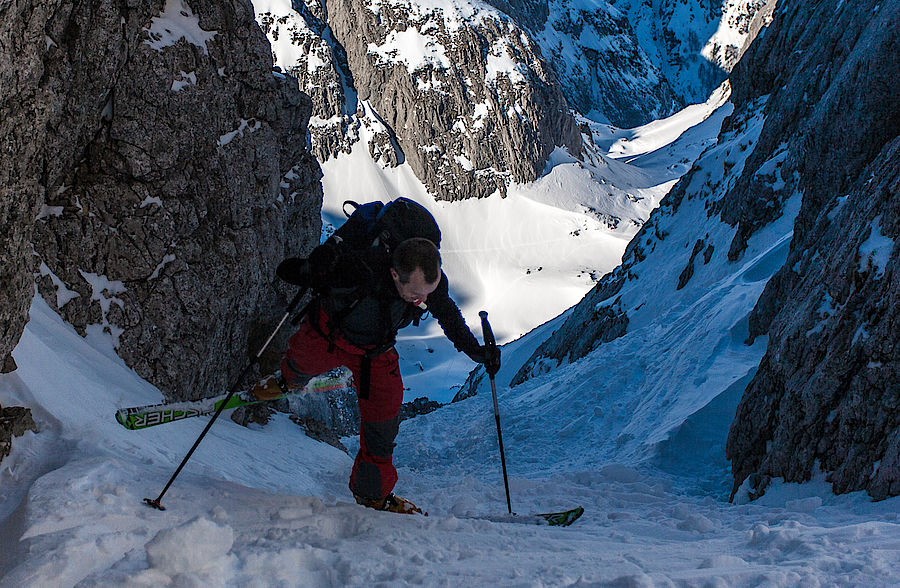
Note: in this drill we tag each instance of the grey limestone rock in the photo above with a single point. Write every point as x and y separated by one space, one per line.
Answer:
826 395
22 111
476 109
168 175
320 66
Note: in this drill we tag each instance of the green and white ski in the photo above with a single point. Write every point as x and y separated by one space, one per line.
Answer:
562 518
141 417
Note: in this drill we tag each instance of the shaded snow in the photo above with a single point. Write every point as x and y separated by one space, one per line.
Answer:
270 506
875 251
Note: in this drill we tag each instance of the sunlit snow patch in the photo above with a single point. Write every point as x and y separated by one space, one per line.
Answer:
177 21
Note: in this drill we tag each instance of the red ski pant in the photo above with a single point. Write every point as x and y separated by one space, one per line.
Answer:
310 354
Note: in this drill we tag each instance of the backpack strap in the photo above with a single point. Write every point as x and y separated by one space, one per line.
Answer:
352 203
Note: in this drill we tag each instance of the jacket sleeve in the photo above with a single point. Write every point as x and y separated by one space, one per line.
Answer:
451 320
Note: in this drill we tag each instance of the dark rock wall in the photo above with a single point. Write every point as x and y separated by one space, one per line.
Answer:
21 191
827 393
14 421
168 177
821 83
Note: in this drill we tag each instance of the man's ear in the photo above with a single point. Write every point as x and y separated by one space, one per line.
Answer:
395 274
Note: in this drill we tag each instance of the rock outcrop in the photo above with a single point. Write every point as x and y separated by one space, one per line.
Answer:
302 45
459 92
165 163
826 395
21 193
14 421
793 216
473 108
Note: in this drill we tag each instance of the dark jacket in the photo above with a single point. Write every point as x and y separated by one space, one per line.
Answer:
363 305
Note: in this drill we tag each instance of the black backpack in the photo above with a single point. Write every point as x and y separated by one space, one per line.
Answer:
387 225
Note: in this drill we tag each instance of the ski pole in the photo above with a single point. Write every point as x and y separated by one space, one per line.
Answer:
490 342
234 388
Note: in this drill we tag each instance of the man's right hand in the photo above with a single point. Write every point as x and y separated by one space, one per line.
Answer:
489 355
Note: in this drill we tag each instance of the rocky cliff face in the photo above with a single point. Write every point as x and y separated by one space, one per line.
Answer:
694 43
786 228
458 91
605 73
629 62
165 164
303 46
826 394
472 107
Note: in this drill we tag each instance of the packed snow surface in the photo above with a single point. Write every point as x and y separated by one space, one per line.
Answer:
270 507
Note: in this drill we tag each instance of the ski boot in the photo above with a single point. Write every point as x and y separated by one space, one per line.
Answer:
390 503
268 388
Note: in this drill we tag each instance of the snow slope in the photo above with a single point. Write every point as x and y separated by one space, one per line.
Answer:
529 256
263 507
630 433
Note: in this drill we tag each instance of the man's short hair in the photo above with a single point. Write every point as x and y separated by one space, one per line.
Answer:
417 253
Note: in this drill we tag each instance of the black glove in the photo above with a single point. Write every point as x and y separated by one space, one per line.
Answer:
489 355
294 270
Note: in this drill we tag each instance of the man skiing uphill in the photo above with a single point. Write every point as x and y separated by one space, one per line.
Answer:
380 272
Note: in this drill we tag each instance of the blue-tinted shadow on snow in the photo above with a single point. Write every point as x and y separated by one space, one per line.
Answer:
694 453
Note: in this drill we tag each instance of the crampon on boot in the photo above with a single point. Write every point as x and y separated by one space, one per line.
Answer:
390 503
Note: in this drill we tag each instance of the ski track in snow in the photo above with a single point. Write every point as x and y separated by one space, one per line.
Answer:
269 506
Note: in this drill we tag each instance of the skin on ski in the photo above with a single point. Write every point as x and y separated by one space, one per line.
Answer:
141 417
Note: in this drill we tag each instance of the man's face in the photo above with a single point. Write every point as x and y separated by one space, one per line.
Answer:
416 290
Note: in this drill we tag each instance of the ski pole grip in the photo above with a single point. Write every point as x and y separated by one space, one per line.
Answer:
486 331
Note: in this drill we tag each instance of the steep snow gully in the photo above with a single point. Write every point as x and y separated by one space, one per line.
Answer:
265 506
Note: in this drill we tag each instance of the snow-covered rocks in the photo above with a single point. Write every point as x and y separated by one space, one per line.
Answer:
773 232
825 396
459 90
605 73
